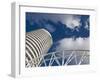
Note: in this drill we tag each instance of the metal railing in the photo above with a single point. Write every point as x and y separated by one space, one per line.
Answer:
61 58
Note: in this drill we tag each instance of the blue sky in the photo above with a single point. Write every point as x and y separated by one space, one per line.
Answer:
62 27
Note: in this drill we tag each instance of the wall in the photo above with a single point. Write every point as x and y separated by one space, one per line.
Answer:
5 41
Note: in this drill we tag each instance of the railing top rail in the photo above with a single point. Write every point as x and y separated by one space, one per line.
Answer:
68 50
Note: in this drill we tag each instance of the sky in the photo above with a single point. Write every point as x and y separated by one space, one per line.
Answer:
69 31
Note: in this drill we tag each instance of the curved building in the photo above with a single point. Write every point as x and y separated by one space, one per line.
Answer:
38 42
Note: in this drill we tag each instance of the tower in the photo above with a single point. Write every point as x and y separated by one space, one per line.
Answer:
38 43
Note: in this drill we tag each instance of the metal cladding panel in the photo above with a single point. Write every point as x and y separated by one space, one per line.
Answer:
38 42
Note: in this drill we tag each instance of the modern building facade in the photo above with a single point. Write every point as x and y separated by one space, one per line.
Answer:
38 42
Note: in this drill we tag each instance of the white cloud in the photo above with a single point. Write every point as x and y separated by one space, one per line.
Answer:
50 28
70 44
73 21
86 24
